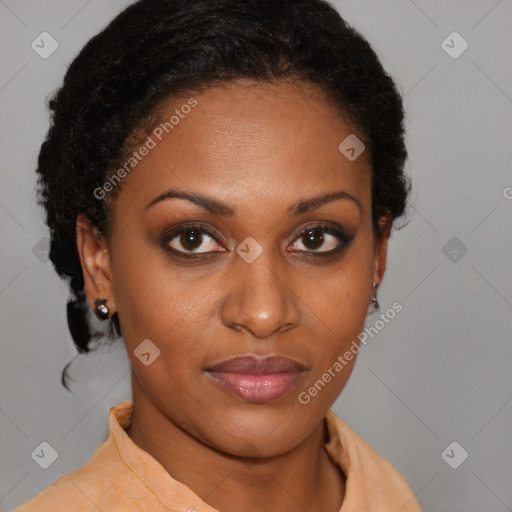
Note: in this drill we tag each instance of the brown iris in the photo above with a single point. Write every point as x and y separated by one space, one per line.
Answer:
191 239
313 238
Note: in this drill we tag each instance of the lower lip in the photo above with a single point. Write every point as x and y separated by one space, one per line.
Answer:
257 388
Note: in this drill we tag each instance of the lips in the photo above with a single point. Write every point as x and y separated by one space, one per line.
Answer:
257 379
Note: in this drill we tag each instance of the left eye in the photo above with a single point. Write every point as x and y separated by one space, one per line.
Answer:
311 239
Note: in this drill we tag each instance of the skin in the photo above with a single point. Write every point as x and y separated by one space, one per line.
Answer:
260 148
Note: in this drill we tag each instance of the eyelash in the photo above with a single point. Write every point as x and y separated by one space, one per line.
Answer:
343 237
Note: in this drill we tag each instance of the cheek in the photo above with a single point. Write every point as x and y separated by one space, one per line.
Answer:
338 298
169 305
342 311
338 311
153 296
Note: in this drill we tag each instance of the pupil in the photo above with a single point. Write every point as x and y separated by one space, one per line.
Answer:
191 238
310 236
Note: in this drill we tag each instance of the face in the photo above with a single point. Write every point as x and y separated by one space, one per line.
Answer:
251 264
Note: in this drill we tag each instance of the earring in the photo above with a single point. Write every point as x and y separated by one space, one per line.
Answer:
375 302
101 309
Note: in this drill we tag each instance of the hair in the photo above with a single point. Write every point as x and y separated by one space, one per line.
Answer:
156 49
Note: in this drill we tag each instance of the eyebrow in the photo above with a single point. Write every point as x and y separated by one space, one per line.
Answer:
219 208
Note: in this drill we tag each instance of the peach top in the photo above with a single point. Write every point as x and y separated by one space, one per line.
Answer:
121 477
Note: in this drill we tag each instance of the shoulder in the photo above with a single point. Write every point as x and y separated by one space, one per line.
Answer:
371 474
88 488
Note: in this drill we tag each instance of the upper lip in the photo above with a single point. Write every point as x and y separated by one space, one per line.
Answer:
254 364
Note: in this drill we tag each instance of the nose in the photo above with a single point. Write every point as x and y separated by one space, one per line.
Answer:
258 299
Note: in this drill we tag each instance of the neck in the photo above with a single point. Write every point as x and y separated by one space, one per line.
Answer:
304 478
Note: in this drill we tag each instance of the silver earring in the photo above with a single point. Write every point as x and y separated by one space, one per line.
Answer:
101 309
375 302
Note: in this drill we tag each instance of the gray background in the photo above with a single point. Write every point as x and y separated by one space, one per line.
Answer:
438 373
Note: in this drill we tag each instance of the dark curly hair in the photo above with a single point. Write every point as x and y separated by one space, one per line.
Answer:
156 49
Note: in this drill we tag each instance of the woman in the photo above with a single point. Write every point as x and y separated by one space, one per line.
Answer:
220 180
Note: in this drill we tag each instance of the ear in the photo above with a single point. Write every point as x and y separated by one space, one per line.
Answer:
95 261
381 248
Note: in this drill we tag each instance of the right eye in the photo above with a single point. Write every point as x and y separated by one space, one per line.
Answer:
190 241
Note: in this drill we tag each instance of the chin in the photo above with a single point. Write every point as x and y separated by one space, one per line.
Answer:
262 430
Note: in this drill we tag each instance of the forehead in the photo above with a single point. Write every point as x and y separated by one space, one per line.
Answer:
243 141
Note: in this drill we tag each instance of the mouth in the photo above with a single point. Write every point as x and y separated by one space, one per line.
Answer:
257 379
